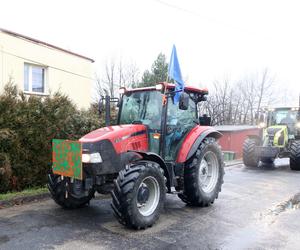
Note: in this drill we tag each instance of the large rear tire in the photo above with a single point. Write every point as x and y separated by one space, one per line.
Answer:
250 159
295 156
60 187
203 176
139 194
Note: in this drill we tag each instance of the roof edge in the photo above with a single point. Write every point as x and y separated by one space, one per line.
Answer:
44 43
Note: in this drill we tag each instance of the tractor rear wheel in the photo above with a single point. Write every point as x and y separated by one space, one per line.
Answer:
139 194
250 158
295 156
203 176
60 188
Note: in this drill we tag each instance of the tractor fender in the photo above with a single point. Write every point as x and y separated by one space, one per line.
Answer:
129 157
193 140
148 156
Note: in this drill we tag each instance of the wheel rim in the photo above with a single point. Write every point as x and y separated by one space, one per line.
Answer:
208 172
148 196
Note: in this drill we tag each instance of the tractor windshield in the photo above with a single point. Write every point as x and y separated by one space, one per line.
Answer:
284 117
142 107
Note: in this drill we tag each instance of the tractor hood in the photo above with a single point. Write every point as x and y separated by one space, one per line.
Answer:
114 133
272 130
277 135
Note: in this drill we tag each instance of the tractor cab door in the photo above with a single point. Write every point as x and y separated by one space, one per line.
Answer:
285 116
178 123
144 107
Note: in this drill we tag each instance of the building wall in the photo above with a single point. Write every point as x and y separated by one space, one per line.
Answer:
233 140
65 72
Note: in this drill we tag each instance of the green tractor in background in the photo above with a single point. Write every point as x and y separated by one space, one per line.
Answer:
279 138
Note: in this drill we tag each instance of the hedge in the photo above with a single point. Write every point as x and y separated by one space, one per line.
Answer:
27 127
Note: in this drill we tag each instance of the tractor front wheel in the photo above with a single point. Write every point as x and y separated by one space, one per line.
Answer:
250 158
203 176
139 194
295 156
61 191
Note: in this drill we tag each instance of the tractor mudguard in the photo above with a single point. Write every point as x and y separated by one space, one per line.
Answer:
193 140
168 171
129 157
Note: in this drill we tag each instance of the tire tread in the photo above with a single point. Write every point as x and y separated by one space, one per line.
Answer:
124 191
249 157
295 156
190 194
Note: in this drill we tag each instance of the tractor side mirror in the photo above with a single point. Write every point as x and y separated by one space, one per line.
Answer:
184 101
205 120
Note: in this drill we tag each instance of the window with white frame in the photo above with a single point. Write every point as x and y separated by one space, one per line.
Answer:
34 78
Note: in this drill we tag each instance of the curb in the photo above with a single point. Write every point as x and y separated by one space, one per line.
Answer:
23 200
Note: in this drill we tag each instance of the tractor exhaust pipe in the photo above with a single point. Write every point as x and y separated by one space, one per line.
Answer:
107 110
107 99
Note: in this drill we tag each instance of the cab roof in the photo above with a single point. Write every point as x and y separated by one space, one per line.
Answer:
284 107
203 91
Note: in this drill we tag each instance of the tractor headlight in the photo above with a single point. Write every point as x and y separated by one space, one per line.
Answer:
262 125
298 125
91 158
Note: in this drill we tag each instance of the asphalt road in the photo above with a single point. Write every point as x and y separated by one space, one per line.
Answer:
254 211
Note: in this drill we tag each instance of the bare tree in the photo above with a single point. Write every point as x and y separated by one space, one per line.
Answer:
265 89
237 102
131 75
217 103
110 76
116 74
100 88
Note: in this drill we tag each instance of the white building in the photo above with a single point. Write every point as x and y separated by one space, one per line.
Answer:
39 68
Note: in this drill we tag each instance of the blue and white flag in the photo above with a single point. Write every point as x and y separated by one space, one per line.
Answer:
175 74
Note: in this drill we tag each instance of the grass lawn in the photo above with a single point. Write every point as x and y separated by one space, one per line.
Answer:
26 192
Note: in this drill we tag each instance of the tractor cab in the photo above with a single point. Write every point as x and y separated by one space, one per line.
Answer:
280 138
167 122
285 117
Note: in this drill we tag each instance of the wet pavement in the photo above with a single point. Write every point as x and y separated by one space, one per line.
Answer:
257 209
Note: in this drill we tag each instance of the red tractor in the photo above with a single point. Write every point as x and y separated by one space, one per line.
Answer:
158 147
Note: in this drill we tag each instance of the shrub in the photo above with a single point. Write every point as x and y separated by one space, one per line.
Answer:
27 127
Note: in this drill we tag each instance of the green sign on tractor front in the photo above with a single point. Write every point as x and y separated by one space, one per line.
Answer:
66 158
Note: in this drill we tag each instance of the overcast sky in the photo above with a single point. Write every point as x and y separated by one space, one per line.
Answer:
214 39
